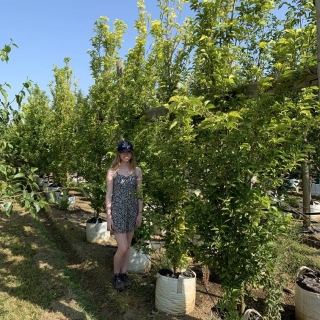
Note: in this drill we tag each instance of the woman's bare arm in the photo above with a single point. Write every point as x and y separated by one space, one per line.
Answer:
139 187
110 175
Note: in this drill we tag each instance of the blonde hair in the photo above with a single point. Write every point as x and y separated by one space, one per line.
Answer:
117 160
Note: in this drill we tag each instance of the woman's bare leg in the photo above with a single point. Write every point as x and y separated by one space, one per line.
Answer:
121 258
125 261
122 250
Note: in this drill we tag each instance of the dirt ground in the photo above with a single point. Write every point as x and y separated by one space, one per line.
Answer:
93 266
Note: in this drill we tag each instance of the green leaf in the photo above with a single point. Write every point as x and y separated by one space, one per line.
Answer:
235 114
283 41
8 208
19 175
52 196
173 124
7 48
37 206
18 99
27 204
263 44
4 93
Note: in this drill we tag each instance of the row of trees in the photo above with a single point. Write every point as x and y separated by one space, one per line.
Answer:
16 183
210 158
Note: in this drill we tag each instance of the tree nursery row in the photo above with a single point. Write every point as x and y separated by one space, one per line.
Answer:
209 103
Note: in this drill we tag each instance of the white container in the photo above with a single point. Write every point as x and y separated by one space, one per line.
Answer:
307 303
53 192
57 194
53 187
40 183
315 189
175 296
139 262
71 201
251 314
45 185
97 232
314 208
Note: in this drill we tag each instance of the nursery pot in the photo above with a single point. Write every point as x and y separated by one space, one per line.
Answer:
71 200
175 295
45 185
96 230
139 262
249 314
57 194
41 181
307 295
53 192
314 210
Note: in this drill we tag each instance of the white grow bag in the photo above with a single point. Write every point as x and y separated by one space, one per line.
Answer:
175 296
314 208
139 262
97 232
71 201
307 303
250 313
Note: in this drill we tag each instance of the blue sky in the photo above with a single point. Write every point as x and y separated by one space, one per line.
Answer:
47 31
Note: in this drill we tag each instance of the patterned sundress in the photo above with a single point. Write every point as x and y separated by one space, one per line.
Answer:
124 205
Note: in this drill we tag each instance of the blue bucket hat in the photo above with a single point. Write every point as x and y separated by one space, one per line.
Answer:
125 146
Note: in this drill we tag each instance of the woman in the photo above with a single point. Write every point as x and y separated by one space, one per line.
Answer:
124 209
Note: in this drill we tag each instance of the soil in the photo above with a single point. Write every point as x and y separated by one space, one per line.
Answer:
92 264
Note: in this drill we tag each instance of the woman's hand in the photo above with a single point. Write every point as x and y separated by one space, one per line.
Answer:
139 220
110 224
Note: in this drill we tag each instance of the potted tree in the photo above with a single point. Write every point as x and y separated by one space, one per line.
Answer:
96 227
176 285
233 214
166 187
307 294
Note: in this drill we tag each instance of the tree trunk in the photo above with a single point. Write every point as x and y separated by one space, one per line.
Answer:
306 194
317 4
305 165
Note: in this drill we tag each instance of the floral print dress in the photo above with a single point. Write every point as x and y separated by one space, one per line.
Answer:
124 204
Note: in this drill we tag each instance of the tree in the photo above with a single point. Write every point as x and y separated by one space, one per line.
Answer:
163 153
61 125
231 140
97 128
16 180
32 141
235 140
